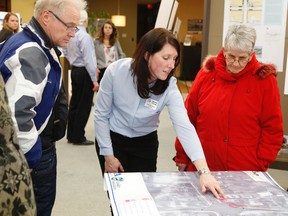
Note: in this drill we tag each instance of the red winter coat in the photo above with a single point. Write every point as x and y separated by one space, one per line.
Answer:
238 117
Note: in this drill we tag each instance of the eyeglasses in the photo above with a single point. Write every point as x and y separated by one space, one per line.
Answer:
241 60
69 28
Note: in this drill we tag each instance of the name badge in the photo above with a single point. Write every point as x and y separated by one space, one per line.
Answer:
151 104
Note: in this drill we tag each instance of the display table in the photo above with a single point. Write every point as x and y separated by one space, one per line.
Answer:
178 193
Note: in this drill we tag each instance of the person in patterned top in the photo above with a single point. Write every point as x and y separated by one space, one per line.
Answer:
16 192
32 72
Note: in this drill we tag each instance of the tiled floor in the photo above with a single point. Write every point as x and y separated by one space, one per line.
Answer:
80 185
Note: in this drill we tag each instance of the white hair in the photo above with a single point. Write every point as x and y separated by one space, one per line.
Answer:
57 6
240 37
83 16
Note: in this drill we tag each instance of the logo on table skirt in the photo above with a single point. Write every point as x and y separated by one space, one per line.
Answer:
117 178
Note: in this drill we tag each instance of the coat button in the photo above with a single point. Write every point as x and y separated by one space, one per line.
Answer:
225 139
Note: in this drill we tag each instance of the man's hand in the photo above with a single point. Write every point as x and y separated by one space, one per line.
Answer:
95 86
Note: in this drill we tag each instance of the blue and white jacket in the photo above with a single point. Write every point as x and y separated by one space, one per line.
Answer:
31 70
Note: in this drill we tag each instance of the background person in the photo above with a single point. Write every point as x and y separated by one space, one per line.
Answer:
10 26
234 104
132 95
81 55
107 47
30 66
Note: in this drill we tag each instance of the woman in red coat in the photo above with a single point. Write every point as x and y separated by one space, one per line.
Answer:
234 104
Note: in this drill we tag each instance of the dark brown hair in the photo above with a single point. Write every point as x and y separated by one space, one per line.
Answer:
113 36
152 42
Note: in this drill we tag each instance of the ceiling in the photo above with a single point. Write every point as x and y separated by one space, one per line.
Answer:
147 1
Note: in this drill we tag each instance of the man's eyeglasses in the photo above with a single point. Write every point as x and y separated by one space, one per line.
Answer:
241 60
69 28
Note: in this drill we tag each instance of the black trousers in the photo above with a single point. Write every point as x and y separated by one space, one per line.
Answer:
80 104
101 74
137 154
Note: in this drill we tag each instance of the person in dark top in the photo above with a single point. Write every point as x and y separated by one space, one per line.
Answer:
10 26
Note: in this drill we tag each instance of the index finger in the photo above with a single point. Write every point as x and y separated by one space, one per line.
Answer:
217 192
221 192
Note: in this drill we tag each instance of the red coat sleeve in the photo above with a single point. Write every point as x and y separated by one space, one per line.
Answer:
192 110
181 156
271 122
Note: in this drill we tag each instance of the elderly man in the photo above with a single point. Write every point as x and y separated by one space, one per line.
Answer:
30 66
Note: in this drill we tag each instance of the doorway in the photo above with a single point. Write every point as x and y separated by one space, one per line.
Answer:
5 5
146 18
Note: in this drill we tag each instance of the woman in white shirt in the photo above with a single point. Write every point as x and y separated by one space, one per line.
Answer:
107 47
132 94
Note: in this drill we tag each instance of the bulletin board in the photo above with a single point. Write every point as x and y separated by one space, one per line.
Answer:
268 17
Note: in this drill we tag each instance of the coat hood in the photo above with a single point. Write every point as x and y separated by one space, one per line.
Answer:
212 62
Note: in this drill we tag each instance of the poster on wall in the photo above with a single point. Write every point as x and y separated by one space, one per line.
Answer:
2 15
268 17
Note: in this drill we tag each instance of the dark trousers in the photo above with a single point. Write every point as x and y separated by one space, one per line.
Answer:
101 74
80 104
137 154
44 181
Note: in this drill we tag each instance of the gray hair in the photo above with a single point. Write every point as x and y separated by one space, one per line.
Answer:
57 6
83 17
240 37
